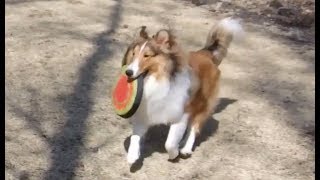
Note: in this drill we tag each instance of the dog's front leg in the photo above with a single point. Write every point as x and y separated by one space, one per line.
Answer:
135 141
175 135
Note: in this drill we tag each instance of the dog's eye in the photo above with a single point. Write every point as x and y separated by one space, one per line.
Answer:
133 53
149 55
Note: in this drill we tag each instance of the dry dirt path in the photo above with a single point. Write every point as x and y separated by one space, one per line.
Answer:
62 57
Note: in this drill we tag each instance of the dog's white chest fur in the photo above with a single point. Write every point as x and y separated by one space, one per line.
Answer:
164 100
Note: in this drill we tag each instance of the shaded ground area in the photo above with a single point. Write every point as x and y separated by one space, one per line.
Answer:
61 60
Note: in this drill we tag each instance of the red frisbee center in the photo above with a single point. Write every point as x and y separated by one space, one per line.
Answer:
121 90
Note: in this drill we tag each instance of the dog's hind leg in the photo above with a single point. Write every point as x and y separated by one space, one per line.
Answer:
175 135
186 150
199 118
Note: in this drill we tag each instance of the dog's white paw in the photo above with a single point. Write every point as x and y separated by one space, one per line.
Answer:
186 151
173 153
172 150
134 149
132 157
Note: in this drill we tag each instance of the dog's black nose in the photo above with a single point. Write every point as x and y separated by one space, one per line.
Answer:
129 72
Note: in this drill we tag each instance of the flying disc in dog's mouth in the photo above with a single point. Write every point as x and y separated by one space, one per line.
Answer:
127 94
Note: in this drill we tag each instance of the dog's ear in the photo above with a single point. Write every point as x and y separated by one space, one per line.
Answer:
143 33
164 39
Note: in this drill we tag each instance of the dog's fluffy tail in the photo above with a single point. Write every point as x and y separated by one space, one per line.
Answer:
221 35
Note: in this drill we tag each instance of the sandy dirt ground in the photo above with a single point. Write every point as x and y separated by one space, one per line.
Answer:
62 57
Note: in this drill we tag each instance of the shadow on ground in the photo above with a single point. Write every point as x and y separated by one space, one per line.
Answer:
66 144
156 136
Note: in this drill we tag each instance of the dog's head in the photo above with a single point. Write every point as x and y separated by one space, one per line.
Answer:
151 54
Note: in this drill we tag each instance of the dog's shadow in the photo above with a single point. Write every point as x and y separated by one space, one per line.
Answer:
156 136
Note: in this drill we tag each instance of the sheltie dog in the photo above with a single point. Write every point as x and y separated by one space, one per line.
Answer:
180 89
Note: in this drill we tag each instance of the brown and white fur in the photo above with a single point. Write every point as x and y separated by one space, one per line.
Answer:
180 89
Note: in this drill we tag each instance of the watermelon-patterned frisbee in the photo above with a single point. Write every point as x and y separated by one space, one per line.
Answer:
127 95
